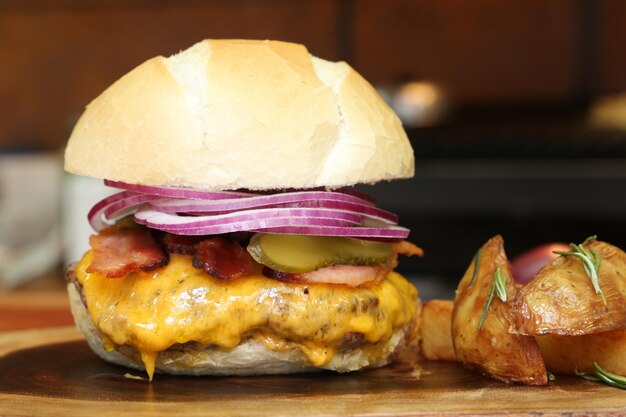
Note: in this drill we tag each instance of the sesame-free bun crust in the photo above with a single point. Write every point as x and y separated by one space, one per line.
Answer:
229 114
248 358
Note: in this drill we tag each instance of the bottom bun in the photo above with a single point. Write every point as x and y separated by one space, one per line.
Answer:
251 357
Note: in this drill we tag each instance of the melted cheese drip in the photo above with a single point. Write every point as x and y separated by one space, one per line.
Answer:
178 303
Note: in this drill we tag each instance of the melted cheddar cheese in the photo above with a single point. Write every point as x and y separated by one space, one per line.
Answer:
178 303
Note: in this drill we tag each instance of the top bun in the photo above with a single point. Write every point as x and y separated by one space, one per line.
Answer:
229 114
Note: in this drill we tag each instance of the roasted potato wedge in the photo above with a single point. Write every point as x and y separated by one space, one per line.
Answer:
561 298
561 354
491 348
436 333
571 354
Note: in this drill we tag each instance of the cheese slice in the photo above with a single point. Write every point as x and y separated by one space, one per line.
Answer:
178 303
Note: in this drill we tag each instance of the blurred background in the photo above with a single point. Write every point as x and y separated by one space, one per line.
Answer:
513 109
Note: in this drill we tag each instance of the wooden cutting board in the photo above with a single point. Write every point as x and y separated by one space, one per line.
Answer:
52 372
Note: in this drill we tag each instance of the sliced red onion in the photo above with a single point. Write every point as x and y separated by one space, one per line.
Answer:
114 206
247 225
319 199
314 227
374 233
374 215
127 205
95 214
159 220
358 194
344 212
177 192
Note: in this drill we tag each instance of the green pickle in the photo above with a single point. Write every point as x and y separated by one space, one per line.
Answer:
297 254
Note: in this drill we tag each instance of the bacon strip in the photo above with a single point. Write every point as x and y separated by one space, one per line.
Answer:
222 259
183 245
119 251
351 275
406 248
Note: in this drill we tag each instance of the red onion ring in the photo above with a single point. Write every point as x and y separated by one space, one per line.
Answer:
248 225
374 233
177 192
295 226
127 205
296 199
159 220
95 214
358 194
344 212
114 206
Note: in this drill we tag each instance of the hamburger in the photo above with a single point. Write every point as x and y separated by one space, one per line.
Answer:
235 243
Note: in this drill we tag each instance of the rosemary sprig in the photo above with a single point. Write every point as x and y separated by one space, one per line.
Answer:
476 266
498 288
601 375
590 259
500 283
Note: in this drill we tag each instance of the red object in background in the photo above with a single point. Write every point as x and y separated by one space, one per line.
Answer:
525 266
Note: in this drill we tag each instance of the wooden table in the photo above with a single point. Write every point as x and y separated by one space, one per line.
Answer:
34 309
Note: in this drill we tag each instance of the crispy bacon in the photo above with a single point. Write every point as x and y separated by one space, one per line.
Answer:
180 244
351 275
281 276
222 259
403 247
406 248
120 251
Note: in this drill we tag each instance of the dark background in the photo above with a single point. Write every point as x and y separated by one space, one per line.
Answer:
516 154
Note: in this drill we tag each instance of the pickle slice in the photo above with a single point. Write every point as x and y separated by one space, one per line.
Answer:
297 253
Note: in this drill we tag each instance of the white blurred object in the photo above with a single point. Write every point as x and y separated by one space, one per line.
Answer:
417 103
79 195
30 242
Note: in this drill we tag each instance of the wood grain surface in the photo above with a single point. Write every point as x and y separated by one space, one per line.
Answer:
52 372
28 310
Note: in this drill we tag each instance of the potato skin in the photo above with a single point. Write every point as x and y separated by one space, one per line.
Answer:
561 300
565 355
571 354
492 348
436 332
558 287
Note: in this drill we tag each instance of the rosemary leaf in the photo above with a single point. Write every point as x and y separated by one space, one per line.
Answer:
596 259
500 284
476 266
499 288
589 376
590 239
601 375
609 381
489 300
591 262
616 378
